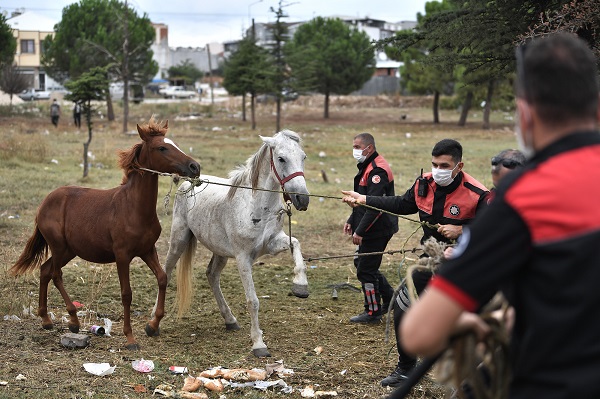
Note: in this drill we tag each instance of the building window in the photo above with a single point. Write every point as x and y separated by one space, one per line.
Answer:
27 47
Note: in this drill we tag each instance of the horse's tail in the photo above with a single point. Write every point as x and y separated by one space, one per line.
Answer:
35 252
184 278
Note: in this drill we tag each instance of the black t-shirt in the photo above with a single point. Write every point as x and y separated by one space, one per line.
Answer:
539 241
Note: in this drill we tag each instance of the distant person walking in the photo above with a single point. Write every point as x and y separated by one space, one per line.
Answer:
55 112
77 114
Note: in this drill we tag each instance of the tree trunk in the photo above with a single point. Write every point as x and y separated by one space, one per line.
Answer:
436 107
466 107
125 69
86 145
110 111
278 124
244 107
488 105
253 109
326 110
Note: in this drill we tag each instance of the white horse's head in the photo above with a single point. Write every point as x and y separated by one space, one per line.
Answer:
287 166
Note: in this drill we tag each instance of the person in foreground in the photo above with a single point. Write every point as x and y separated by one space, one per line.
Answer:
447 197
538 241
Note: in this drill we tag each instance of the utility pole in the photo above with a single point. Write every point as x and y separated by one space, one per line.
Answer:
212 97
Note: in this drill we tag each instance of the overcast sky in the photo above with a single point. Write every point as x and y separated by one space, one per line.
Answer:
196 23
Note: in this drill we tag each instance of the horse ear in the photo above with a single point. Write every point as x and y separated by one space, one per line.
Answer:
141 132
166 126
267 140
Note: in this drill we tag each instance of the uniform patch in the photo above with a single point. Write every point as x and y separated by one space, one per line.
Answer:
376 179
454 210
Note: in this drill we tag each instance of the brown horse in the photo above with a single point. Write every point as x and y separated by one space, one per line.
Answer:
105 226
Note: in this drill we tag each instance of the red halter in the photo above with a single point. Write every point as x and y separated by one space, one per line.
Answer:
286 197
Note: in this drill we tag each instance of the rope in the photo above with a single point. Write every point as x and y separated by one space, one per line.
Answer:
196 182
391 252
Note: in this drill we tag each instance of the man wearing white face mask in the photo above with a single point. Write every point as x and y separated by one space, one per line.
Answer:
448 197
371 230
539 238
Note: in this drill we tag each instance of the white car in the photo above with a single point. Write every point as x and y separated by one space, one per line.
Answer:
178 92
34 94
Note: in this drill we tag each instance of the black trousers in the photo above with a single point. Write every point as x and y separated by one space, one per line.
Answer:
367 270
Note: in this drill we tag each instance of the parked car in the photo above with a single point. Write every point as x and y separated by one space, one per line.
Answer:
34 94
286 95
178 92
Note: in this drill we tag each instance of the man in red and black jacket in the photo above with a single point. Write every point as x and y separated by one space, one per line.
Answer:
447 197
371 230
539 239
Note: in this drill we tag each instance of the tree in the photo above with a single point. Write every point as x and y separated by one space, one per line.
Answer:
12 81
280 36
186 71
8 43
248 70
580 17
103 33
89 86
340 59
421 74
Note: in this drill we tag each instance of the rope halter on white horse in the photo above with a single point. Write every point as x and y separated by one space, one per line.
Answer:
286 196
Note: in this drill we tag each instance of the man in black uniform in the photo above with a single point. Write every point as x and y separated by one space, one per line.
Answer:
371 230
447 197
539 238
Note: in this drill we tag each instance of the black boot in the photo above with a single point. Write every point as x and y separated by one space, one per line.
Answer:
397 378
366 318
372 313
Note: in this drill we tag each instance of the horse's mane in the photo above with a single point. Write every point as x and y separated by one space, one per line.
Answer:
128 159
249 173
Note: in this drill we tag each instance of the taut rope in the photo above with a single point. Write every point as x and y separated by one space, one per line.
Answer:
196 182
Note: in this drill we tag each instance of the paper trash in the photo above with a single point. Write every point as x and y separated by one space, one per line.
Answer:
99 369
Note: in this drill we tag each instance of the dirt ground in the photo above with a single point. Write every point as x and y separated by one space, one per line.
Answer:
312 336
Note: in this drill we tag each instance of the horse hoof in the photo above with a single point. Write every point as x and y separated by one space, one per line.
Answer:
73 328
151 332
133 347
301 291
232 326
48 326
261 352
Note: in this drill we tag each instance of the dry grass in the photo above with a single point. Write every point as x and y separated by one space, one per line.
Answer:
355 357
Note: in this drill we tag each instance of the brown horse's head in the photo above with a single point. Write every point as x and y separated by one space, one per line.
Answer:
157 152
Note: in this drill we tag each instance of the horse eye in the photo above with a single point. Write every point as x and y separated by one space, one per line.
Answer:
280 159
162 149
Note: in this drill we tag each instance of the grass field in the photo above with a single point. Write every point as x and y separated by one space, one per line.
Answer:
36 158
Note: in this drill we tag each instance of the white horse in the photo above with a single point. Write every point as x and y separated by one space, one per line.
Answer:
242 224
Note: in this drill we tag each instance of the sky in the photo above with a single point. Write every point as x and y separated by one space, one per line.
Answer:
194 23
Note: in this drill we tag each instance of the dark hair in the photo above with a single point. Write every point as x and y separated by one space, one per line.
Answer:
512 155
448 147
558 75
366 138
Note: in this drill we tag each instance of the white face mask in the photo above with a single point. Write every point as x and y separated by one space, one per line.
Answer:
358 154
524 145
443 177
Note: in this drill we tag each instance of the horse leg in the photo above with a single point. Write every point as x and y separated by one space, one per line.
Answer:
280 243
123 271
213 272
58 283
45 276
151 260
259 348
